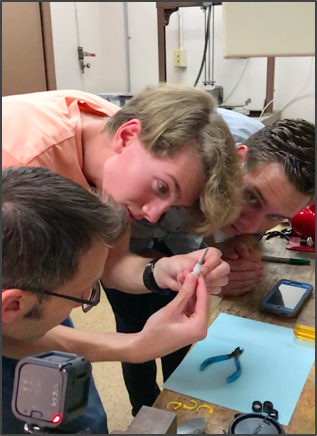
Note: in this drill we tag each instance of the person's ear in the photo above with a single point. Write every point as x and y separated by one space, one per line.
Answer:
242 151
126 134
15 304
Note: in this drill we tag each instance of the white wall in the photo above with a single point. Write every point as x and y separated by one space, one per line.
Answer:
113 40
290 73
102 25
227 71
143 44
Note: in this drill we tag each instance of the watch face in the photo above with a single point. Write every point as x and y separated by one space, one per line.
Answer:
253 423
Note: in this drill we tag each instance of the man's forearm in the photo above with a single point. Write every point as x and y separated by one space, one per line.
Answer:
124 270
96 347
126 273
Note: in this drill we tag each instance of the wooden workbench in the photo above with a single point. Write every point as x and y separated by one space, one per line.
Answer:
303 420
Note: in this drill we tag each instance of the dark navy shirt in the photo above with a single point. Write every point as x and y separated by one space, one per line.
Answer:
94 417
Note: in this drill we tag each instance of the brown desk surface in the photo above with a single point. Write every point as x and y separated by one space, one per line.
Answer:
303 420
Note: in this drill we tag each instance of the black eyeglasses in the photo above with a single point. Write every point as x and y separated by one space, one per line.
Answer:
86 305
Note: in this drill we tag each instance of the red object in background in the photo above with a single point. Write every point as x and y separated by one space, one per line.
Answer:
303 227
303 223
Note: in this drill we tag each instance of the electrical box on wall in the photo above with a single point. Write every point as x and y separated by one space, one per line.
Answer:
180 57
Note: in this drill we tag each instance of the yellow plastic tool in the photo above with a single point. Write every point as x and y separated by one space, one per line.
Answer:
191 408
205 406
175 404
304 332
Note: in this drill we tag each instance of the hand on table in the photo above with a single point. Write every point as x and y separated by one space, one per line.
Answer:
171 272
246 270
175 326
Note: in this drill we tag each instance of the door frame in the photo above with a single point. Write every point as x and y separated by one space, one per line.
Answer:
48 46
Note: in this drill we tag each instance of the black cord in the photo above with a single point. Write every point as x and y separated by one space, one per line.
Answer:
207 36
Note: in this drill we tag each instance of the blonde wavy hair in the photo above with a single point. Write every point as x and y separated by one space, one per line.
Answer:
175 117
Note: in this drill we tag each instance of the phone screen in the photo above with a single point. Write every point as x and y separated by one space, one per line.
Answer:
287 296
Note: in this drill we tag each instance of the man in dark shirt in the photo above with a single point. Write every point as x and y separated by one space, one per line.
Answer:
55 241
50 244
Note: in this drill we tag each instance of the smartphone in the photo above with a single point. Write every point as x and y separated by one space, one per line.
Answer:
287 298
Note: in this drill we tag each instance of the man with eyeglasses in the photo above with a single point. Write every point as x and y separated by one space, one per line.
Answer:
51 246
55 241
86 304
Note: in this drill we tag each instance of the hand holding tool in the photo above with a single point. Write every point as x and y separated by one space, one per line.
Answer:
199 265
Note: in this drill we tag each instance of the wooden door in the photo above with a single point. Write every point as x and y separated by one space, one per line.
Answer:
24 67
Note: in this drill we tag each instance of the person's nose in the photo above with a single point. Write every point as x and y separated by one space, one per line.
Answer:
154 210
250 222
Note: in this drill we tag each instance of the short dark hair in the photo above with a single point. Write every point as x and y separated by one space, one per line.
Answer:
48 223
290 143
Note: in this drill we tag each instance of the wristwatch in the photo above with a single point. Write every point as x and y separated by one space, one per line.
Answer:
149 280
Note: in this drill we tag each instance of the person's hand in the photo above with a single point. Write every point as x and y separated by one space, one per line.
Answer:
246 270
171 272
174 326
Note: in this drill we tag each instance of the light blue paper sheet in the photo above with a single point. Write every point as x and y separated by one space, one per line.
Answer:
275 366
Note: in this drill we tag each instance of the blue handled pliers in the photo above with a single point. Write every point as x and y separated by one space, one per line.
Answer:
234 355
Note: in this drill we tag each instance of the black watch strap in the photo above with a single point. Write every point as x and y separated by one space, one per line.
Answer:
149 280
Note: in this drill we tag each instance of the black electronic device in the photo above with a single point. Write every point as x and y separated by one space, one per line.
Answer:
50 389
254 423
287 298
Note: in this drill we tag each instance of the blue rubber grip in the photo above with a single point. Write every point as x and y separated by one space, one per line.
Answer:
237 374
212 360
